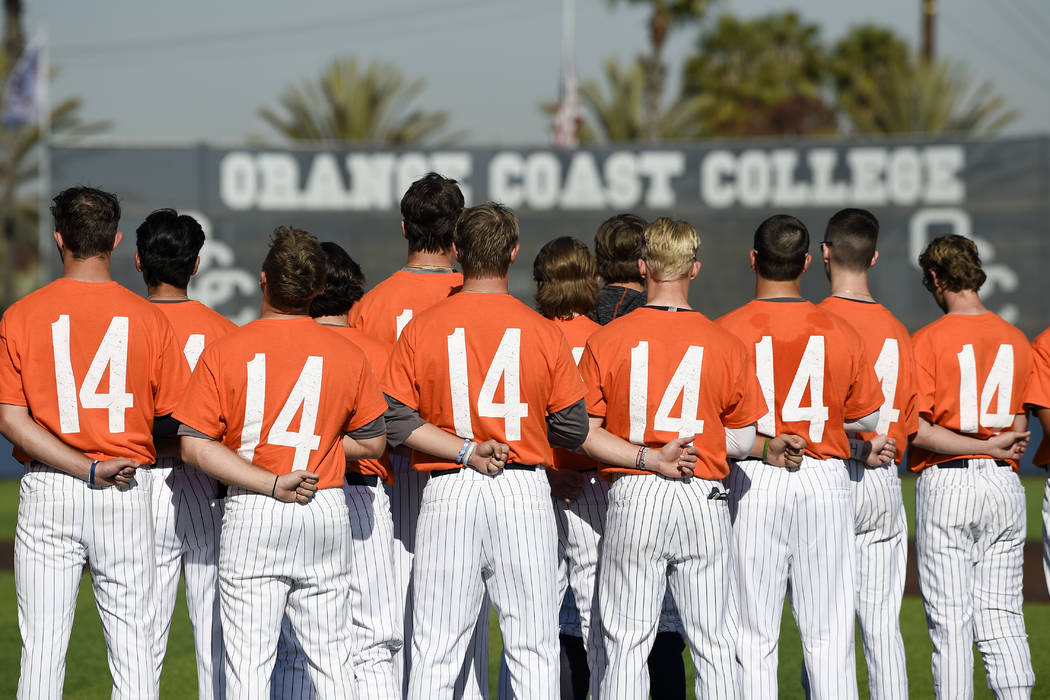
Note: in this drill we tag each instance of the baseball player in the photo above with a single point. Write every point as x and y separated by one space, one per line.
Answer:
663 373
186 511
277 420
881 544
972 369
429 210
85 368
1038 399
792 528
376 616
617 246
476 386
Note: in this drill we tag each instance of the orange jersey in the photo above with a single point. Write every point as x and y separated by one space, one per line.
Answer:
94 363
972 374
658 374
195 326
282 393
377 353
385 310
887 344
488 367
814 374
576 330
1038 393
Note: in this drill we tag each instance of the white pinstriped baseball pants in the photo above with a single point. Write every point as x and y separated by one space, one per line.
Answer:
478 533
662 532
64 522
376 625
286 558
969 539
405 497
793 533
187 518
881 530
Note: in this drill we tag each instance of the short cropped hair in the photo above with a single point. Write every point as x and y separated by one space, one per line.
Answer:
851 236
168 244
294 267
344 283
566 279
781 246
617 246
87 218
485 237
955 260
430 209
670 248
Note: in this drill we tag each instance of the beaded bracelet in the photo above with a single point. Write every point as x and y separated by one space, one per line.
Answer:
639 461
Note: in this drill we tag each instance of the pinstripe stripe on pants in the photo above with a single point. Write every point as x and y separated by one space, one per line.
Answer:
881 530
793 532
664 531
64 522
405 497
478 533
969 539
376 625
187 517
286 558
1046 534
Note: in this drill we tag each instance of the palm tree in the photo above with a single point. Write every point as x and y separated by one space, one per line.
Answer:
760 77
884 88
616 113
666 15
354 105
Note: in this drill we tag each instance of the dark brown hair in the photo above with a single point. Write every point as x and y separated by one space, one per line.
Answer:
87 218
617 246
485 236
344 283
295 269
955 260
851 237
781 245
429 209
566 279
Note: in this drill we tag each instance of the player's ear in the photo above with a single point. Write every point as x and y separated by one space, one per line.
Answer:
805 265
403 234
58 240
694 270
751 259
262 279
116 240
514 253
455 251
643 268
825 253
138 262
874 257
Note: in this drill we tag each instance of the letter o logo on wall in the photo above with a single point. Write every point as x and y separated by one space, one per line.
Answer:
238 181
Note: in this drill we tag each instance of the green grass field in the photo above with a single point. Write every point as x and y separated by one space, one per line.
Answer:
87 675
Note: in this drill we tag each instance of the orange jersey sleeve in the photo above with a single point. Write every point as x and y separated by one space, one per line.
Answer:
385 310
283 405
576 330
195 326
658 374
377 353
812 369
94 363
1038 394
484 366
887 344
972 378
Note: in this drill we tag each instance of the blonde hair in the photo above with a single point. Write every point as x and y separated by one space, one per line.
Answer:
670 248
566 276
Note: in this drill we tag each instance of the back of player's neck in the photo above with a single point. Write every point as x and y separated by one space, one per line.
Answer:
775 289
166 291
674 294
342 320
486 285
94 269
429 260
964 303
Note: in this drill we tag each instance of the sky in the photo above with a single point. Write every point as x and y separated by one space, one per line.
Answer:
198 70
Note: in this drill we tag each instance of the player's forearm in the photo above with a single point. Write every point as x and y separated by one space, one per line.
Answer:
364 448
220 462
604 447
19 427
945 441
434 441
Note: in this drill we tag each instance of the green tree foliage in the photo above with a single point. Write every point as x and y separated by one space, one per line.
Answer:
354 104
883 87
760 77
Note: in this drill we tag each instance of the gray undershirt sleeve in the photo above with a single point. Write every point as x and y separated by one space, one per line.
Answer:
187 431
370 430
568 427
401 421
